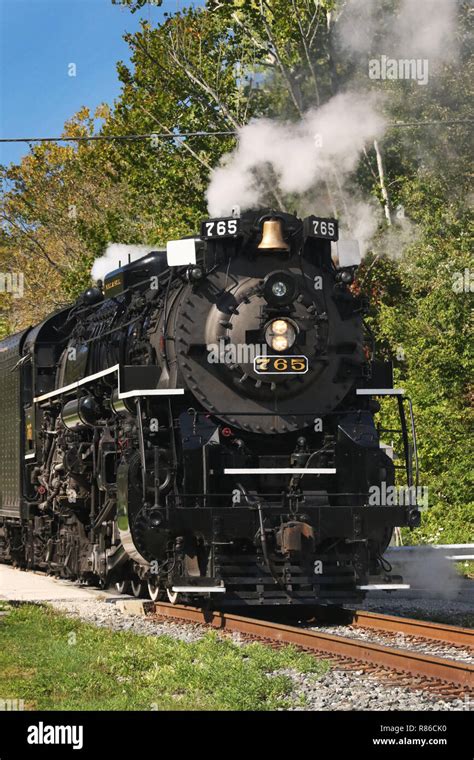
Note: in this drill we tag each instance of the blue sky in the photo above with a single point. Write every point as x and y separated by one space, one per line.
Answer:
38 40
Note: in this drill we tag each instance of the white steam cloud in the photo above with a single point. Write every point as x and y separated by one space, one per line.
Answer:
301 155
427 570
117 254
420 29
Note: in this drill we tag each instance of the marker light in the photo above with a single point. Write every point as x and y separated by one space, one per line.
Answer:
279 289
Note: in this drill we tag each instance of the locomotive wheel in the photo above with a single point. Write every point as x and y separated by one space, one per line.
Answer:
123 587
138 588
173 596
154 590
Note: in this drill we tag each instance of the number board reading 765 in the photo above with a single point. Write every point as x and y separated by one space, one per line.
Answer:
220 228
281 365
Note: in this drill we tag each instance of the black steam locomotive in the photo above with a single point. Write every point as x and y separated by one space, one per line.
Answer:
201 425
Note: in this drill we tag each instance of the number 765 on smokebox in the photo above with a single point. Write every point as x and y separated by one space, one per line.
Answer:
281 365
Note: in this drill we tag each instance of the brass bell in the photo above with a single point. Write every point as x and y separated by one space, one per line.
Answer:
272 237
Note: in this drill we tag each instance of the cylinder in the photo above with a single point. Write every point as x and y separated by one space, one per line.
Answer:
122 407
80 413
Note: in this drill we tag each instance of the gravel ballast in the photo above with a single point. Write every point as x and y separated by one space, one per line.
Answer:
356 690
450 611
108 615
400 641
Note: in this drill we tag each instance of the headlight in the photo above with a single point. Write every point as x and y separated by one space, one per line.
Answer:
279 327
280 334
279 343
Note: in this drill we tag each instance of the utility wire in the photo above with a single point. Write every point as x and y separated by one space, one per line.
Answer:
182 135
428 123
154 135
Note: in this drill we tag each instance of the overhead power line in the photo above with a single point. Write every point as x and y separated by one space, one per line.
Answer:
154 135
428 123
183 135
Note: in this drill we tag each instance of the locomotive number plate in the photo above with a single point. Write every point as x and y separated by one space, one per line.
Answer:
220 228
318 227
280 365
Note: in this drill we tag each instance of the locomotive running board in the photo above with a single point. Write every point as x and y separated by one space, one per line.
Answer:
380 391
199 589
280 471
384 587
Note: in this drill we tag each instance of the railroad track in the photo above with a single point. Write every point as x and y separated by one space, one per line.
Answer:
448 634
449 677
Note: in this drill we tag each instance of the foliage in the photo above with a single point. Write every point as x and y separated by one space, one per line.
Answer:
135 5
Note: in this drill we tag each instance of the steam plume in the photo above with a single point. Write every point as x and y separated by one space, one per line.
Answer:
117 254
321 150
301 156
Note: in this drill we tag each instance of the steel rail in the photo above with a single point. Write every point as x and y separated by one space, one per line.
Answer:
436 631
413 663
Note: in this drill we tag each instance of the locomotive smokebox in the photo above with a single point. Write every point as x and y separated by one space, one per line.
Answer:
272 237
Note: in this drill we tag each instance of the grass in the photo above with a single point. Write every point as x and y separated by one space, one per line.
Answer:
53 662
465 568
